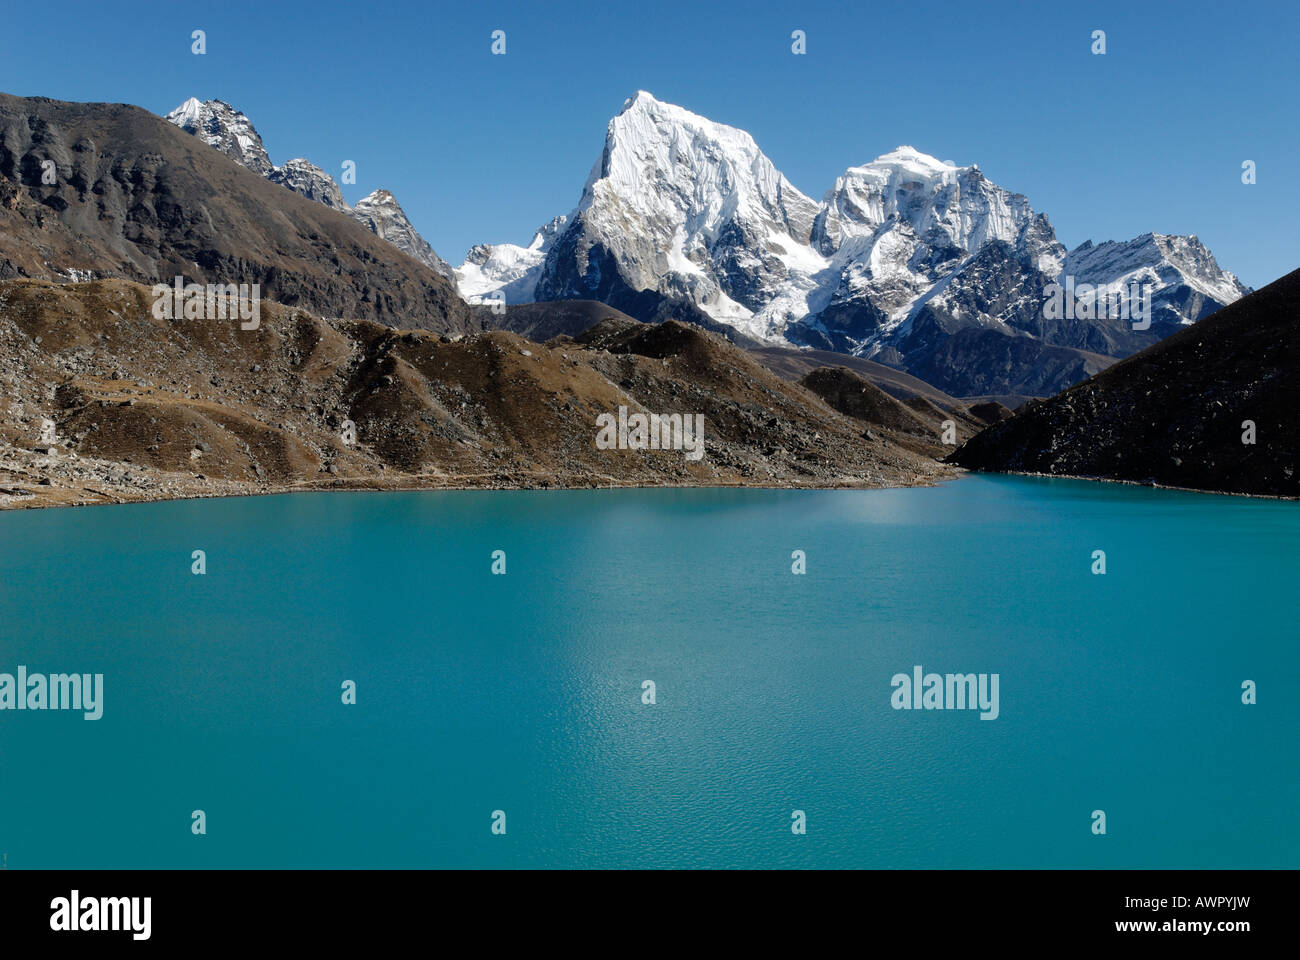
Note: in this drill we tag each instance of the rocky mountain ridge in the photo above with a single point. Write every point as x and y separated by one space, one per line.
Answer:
94 190
224 128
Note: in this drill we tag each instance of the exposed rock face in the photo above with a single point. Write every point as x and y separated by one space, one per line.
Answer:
143 408
384 217
135 197
1212 407
221 126
998 362
310 181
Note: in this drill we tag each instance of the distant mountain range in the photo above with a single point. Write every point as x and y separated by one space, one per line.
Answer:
918 263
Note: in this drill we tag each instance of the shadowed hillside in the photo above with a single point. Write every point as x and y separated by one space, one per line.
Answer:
1176 413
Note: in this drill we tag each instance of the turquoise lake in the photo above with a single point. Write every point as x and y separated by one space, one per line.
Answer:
523 693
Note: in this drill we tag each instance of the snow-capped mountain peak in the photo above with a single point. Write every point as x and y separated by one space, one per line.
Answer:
220 125
928 194
908 156
1190 281
546 234
688 209
903 256
302 176
188 112
665 161
506 269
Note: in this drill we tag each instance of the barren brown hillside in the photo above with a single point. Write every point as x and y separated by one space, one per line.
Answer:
143 408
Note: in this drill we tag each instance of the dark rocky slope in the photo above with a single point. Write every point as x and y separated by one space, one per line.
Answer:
1173 414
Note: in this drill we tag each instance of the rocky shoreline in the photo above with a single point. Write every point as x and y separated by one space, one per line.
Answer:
1129 483
29 480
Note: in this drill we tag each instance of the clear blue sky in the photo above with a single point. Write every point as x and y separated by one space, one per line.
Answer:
482 148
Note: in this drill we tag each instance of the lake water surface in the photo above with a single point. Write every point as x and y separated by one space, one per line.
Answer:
523 693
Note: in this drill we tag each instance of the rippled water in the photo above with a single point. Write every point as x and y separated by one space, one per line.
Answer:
523 693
